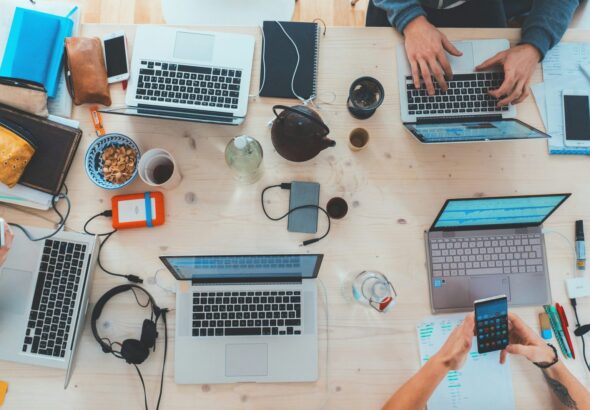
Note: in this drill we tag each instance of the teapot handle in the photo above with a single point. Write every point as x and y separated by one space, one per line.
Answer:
296 111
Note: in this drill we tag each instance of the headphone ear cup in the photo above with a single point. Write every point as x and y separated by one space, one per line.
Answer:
148 334
133 351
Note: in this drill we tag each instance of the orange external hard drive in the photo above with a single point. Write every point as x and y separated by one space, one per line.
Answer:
138 210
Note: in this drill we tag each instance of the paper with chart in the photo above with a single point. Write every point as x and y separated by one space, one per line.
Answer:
561 71
481 384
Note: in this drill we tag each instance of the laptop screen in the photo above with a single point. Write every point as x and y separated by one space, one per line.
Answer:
503 212
473 130
243 267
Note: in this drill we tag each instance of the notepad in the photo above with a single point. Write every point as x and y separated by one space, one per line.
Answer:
482 383
279 59
35 47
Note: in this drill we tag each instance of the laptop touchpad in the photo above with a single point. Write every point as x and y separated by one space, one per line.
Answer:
246 359
485 287
15 286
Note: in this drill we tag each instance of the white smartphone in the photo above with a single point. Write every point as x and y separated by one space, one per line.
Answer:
576 118
116 56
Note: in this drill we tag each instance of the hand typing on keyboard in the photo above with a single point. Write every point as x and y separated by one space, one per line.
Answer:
519 64
425 48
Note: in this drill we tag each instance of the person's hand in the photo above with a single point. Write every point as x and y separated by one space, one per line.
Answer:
519 64
524 341
454 352
425 48
8 236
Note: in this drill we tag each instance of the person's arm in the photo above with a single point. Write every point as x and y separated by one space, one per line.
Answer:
546 23
566 389
542 29
426 46
8 235
415 392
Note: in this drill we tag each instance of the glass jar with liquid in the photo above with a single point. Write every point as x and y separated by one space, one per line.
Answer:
243 154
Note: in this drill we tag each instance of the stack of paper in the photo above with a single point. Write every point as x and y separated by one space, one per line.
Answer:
482 383
562 70
61 104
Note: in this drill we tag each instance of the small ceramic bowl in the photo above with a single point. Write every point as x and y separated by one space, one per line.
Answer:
93 163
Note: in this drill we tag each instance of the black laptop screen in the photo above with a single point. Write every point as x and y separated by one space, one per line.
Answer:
469 131
242 267
487 212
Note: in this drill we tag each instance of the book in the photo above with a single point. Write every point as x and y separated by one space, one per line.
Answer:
35 47
279 59
56 146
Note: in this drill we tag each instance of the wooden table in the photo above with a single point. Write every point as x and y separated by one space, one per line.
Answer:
394 187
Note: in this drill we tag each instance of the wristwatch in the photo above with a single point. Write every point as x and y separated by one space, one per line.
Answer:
546 365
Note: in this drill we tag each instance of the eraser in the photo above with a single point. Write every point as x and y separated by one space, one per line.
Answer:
546 334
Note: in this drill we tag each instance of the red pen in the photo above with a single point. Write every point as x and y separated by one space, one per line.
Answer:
564 325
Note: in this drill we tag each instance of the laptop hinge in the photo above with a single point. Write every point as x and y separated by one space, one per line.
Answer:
471 118
249 281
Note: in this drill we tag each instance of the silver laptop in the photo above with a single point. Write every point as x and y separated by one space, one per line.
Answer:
481 247
249 318
466 112
189 75
44 289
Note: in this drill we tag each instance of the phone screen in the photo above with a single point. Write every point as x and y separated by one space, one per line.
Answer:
576 110
114 49
491 322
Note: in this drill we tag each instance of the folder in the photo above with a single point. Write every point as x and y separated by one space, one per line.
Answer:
35 47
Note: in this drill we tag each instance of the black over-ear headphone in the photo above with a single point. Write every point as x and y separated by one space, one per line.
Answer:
134 351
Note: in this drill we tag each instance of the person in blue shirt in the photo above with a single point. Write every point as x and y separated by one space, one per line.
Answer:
545 21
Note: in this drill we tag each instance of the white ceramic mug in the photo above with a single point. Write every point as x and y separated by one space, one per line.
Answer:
157 168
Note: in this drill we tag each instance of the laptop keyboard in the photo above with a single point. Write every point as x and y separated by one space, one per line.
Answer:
247 313
467 93
487 255
188 84
55 298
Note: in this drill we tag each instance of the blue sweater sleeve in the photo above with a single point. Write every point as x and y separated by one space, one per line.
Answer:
546 23
401 12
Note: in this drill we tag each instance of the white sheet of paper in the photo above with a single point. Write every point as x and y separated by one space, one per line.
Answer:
482 384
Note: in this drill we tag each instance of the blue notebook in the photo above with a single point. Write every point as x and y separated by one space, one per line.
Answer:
35 47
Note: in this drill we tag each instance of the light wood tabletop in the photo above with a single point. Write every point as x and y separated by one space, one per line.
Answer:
394 189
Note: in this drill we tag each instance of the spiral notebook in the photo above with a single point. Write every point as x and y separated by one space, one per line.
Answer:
279 59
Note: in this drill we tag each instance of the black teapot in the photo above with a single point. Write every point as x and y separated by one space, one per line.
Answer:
298 133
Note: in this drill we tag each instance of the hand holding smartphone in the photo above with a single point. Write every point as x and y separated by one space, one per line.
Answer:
491 323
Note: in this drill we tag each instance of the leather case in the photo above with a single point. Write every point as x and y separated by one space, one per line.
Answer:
55 144
86 74
25 95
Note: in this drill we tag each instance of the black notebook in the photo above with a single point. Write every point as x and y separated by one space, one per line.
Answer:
55 144
279 59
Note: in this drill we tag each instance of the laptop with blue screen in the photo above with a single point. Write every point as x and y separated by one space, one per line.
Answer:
245 318
481 247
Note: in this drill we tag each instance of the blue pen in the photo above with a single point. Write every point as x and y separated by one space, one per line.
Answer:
580 246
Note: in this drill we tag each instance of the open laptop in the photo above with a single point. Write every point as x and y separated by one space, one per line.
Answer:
44 289
466 112
189 75
481 247
249 318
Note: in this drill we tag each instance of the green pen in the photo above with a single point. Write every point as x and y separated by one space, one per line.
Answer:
559 335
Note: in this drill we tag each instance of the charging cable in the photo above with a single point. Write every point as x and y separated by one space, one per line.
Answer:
286 185
580 331
107 236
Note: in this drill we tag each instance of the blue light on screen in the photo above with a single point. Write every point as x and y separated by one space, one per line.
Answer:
474 131
492 309
497 211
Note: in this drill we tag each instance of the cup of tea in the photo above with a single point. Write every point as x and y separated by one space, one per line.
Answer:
358 139
337 208
366 94
158 168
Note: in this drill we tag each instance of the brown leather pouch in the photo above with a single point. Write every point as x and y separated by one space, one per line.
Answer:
86 74
16 151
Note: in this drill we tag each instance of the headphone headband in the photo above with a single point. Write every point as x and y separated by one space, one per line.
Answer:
100 304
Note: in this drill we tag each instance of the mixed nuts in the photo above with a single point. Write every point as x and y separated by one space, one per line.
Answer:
118 163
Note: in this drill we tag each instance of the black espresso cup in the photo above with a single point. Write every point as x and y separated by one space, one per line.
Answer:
366 94
337 208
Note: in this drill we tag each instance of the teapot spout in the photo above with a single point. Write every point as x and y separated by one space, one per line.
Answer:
328 142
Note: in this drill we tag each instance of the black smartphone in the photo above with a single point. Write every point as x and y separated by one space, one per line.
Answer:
306 219
491 323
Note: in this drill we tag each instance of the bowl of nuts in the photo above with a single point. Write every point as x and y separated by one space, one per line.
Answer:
111 161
